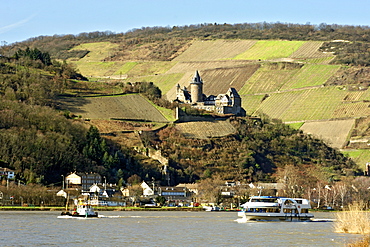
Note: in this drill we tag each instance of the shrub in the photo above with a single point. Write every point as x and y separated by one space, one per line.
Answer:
354 220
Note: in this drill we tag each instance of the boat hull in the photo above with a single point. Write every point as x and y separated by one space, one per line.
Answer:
276 217
80 215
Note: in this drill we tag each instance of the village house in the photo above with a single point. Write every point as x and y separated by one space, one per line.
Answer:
89 179
175 196
125 192
148 191
173 192
103 190
178 195
72 180
6 173
104 195
191 188
82 181
227 103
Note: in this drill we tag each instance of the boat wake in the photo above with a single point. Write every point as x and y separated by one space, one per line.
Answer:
322 220
73 217
242 220
245 220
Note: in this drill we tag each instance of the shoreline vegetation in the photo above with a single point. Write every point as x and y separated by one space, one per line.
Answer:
355 220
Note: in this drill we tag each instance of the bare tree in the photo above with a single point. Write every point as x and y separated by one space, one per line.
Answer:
210 189
342 189
292 178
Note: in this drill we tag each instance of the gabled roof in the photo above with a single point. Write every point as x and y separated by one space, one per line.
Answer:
191 187
5 170
74 175
172 189
233 93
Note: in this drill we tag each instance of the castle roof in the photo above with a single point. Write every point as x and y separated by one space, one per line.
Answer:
233 93
196 78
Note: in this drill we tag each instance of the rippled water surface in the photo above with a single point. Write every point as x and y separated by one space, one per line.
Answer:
163 229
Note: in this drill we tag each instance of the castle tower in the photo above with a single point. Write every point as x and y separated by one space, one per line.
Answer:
196 88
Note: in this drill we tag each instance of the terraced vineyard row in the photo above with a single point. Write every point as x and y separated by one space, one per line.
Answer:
354 95
123 70
352 110
203 130
335 133
251 102
205 50
270 49
182 67
310 49
308 104
311 75
322 60
98 69
265 80
214 80
316 104
125 107
365 95
278 103
164 81
150 68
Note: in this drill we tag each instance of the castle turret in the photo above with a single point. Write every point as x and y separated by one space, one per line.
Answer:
196 88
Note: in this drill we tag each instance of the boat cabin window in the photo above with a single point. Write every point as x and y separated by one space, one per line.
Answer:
273 210
288 202
264 200
264 210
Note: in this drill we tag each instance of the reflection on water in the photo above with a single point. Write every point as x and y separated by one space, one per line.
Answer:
163 229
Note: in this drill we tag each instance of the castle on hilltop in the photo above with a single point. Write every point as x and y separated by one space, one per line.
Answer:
228 103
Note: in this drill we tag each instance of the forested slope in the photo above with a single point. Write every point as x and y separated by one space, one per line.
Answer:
254 152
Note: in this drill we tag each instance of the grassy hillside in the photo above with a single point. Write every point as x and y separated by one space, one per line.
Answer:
288 80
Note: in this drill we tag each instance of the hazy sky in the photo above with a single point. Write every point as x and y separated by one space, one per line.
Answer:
23 19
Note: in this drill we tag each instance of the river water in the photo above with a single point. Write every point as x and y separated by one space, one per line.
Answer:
163 229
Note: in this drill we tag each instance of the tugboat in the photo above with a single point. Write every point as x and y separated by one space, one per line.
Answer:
83 209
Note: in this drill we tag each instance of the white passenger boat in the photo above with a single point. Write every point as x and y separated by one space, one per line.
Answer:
271 208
